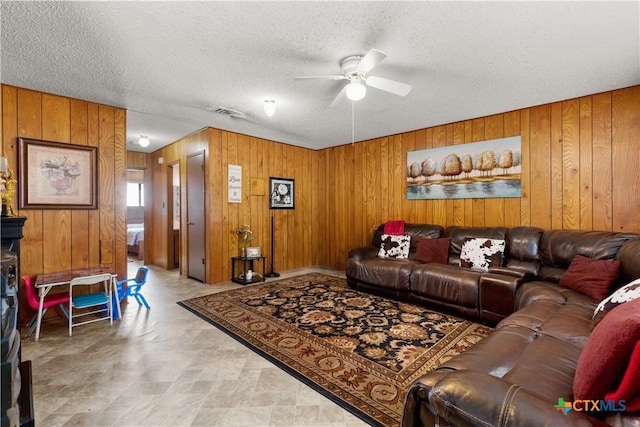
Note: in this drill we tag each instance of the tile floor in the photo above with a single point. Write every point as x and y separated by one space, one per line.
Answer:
166 367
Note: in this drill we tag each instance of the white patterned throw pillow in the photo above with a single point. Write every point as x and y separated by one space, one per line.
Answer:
626 293
395 246
480 254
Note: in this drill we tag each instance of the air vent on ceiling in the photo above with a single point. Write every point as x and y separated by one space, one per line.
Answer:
228 112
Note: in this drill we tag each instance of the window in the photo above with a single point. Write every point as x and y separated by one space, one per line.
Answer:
135 194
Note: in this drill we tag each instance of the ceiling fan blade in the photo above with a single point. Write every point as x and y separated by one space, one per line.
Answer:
322 77
339 97
397 88
370 60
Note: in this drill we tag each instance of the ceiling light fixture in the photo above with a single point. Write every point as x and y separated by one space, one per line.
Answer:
356 90
143 141
269 107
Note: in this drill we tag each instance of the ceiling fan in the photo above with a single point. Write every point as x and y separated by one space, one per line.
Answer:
355 69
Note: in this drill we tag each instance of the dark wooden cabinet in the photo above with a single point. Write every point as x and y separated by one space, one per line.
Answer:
17 395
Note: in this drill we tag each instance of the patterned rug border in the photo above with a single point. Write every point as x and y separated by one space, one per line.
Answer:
292 366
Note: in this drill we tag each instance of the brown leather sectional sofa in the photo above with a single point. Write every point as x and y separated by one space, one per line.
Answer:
515 376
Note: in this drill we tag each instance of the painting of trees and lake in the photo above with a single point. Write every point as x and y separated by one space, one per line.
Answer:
467 171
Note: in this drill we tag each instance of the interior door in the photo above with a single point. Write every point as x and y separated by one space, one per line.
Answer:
195 217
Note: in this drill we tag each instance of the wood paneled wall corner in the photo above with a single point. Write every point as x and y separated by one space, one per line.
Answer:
296 230
579 171
62 239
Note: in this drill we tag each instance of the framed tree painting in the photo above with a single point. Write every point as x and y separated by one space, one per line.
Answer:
282 193
53 175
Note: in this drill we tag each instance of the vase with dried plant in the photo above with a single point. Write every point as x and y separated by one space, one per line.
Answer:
244 236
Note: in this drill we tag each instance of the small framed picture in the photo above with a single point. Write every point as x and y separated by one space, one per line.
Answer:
253 252
282 193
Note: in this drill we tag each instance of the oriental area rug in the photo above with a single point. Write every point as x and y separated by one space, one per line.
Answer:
360 350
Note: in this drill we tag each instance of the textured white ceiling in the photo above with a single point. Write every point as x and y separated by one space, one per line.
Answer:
168 63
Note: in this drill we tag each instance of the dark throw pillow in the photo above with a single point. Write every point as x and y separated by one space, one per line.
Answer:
432 250
605 357
395 246
592 277
480 254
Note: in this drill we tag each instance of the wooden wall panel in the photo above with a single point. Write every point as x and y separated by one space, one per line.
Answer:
60 239
571 164
602 159
557 166
625 138
136 160
29 113
120 187
540 162
525 194
586 163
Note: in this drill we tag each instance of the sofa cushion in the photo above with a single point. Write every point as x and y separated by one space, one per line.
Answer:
523 250
530 292
480 254
628 256
604 359
570 323
559 247
433 250
626 293
592 277
394 246
445 283
392 274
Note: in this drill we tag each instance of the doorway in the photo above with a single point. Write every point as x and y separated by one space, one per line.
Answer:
173 240
195 211
135 213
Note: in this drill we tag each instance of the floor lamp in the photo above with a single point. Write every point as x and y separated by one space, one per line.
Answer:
272 272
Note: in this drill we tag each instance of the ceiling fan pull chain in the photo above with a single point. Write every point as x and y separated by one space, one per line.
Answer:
353 125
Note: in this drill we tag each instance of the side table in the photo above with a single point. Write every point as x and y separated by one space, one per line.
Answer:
247 261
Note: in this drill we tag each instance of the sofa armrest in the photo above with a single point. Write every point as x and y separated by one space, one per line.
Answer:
511 272
364 252
476 398
497 295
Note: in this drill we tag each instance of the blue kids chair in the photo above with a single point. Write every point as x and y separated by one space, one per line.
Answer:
133 287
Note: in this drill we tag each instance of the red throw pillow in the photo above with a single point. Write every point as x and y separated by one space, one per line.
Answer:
604 359
432 250
394 228
592 277
629 389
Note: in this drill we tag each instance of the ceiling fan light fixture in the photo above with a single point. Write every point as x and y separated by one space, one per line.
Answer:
143 141
356 90
269 107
